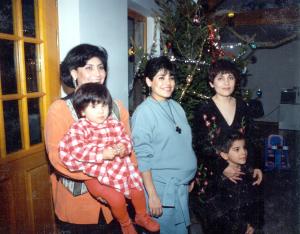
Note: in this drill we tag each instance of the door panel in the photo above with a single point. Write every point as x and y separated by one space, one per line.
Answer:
26 196
40 194
7 214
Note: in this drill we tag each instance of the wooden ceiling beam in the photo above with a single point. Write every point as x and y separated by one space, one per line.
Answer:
290 15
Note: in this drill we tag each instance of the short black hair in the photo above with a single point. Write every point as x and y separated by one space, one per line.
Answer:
78 57
94 93
225 140
223 66
155 64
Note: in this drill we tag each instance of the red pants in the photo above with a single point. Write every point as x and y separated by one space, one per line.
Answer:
116 200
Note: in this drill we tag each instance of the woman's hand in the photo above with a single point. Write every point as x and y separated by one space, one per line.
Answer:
155 205
191 186
257 173
233 174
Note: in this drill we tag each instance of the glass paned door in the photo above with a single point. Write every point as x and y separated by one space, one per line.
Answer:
136 46
21 91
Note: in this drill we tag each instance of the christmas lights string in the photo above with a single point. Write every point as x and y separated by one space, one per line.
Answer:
247 42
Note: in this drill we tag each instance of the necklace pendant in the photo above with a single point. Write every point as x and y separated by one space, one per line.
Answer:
178 129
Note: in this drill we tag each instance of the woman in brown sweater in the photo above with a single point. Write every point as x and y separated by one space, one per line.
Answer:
72 202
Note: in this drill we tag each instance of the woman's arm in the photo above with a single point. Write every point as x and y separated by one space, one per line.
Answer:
142 132
153 201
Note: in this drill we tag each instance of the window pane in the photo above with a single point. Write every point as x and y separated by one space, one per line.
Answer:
34 121
28 18
6 17
7 67
12 126
139 34
31 65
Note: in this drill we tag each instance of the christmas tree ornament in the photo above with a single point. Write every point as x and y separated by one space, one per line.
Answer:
131 54
189 79
196 20
259 93
169 45
131 51
253 45
172 58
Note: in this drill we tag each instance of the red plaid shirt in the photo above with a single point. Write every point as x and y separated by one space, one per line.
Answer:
81 149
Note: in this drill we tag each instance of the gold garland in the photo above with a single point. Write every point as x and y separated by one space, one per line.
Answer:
194 93
190 77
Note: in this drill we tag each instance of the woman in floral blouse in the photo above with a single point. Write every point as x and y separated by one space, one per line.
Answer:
222 113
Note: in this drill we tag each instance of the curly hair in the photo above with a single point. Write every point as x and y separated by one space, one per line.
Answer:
223 66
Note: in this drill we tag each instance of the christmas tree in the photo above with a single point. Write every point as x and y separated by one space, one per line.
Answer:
192 43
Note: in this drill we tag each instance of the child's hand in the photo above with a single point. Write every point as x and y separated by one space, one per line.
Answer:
250 229
109 153
233 173
257 173
120 149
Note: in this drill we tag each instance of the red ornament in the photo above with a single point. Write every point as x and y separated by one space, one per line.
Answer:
169 45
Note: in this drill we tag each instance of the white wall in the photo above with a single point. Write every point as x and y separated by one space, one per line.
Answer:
276 69
69 31
103 23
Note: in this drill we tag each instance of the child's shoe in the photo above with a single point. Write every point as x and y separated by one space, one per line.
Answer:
128 228
147 222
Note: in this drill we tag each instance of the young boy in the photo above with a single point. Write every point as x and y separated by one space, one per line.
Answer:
232 207
98 145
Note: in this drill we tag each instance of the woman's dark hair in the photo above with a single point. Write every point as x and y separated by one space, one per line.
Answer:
225 140
78 57
156 64
223 66
94 93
